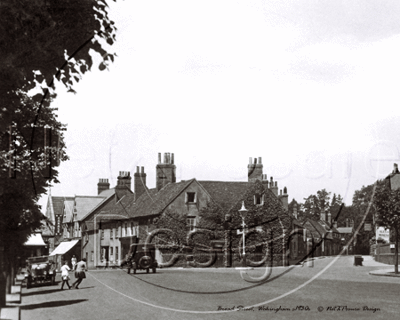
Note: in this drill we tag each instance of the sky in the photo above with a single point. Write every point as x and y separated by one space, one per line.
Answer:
310 86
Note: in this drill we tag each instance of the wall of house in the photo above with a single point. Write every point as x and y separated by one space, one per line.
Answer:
179 205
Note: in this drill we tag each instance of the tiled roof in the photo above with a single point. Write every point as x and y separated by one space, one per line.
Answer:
319 231
108 203
328 227
153 202
84 204
226 193
104 216
69 207
107 193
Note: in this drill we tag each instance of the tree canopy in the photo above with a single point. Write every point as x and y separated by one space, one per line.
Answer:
42 42
387 205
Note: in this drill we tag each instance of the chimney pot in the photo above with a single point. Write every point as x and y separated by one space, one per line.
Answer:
142 168
137 169
259 160
255 160
395 168
281 191
285 190
159 157
165 157
172 158
276 183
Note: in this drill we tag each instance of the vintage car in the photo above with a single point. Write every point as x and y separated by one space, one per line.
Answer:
40 270
141 256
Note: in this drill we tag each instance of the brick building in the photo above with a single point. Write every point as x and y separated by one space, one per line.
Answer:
104 226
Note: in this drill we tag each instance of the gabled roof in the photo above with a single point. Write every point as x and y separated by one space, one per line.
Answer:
68 209
107 193
226 193
152 202
84 204
328 227
295 221
58 204
109 202
319 231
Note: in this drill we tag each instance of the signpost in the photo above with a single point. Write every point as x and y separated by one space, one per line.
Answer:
382 233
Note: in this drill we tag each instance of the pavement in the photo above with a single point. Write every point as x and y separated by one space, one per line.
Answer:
387 270
12 310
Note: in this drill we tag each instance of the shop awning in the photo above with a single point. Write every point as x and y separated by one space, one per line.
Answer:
35 240
64 247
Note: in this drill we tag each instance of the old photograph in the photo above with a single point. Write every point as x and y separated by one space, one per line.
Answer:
189 159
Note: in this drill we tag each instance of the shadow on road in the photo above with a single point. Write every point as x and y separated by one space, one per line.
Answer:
51 304
58 289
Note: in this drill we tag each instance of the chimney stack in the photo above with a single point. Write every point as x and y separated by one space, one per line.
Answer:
124 179
283 197
102 185
255 170
139 182
165 172
273 186
295 210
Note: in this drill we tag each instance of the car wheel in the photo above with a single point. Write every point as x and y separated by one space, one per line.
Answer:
145 262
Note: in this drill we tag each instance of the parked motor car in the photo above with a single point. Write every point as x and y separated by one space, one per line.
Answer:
141 256
40 270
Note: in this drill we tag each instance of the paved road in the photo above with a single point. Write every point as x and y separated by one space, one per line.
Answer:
210 293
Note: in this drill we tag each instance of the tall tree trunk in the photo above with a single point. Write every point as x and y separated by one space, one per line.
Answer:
2 280
396 250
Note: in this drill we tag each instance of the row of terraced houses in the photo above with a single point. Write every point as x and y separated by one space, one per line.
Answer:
102 227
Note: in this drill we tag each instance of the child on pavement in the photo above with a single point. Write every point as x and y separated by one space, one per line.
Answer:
65 275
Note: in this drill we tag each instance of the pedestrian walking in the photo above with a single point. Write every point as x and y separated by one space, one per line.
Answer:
65 275
73 262
80 273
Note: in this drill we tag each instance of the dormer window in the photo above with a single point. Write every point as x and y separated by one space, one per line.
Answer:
190 197
258 199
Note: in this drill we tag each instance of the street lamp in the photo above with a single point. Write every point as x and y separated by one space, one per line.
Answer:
243 213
